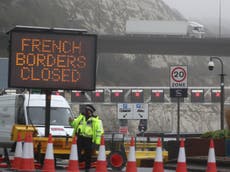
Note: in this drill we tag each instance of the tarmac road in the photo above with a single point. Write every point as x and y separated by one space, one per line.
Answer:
62 164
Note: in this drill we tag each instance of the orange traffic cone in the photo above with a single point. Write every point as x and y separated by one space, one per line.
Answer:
211 158
49 165
27 161
18 154
158 163
73 158
181 162
131 164
101 165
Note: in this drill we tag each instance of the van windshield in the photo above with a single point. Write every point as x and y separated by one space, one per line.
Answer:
58 116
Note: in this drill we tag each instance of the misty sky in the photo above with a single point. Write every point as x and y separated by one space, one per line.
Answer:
202 9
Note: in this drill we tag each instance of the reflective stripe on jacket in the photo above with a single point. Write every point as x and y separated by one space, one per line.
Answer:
99 131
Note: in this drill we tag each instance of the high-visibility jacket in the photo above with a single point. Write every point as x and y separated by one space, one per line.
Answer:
92 127
99 130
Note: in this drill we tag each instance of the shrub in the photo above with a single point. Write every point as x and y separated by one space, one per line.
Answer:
217 134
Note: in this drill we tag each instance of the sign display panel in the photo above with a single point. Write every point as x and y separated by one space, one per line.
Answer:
137 96
59 92
52 60
215 95
98 96
197 96
157 95
117 96
78 96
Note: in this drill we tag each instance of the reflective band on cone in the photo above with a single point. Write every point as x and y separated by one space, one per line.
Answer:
49 165
158 163
101 165
211 158
181 162
27 161
131 164
18 154
73 165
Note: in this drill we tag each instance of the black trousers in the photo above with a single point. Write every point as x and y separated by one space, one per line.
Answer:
84 145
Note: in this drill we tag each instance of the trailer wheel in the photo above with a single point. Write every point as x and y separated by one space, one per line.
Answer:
117 160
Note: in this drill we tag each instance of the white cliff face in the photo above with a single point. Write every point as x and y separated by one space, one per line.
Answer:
162 117
194 118
109 16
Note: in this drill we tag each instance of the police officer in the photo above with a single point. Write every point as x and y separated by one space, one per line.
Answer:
88 128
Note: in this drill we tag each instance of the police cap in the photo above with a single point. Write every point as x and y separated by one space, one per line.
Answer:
90 108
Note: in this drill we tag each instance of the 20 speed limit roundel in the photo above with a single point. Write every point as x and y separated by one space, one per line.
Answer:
178 74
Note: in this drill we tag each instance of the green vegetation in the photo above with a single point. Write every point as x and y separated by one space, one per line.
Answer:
217 134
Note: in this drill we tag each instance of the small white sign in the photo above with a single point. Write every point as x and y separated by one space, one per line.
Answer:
123 129
125 111
57 130
140 111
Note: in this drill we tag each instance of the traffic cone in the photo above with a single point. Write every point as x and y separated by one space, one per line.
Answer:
131 164
18 153
158 163
181 161
49 165
27 161
101 165
211 158
73 158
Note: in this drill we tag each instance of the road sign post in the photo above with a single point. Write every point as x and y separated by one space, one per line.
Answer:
178 88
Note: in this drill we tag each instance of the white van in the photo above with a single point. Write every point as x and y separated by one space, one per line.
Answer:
29 109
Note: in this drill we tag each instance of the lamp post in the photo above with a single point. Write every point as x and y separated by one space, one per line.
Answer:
220 18
211 66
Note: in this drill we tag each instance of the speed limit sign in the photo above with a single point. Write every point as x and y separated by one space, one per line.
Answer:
178 77
178 81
